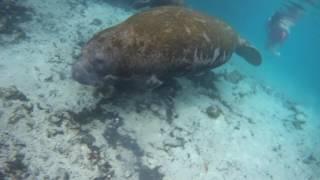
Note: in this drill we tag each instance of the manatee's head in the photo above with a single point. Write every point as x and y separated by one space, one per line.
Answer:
84 73
92 67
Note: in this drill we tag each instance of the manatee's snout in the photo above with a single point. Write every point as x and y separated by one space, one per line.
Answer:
84 73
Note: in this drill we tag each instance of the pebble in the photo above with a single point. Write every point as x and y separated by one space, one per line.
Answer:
214 111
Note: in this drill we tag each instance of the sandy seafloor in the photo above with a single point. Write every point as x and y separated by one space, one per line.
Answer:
226 126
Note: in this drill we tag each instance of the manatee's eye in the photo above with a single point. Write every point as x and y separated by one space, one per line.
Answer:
98 61
98 64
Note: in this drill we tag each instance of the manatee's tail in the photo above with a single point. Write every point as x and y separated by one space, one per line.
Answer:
248 52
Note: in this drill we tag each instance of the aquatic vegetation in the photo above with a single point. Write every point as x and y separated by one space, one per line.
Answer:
146 173
206 80
297 118
234 77
310 159
12 164
12 14
21 109
15 168
12 93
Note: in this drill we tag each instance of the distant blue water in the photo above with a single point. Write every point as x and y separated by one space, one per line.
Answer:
296 71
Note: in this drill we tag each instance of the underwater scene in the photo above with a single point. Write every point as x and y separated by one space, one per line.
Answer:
159 90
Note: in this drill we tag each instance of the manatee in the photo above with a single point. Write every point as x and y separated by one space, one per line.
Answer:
159 44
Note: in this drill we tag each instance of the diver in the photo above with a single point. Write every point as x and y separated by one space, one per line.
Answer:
279 25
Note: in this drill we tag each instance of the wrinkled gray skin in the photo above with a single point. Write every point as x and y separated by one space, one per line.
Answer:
84 73
150 48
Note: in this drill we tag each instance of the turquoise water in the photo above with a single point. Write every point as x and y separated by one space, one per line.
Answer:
296 71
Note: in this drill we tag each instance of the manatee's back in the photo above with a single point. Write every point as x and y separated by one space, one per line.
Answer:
168 41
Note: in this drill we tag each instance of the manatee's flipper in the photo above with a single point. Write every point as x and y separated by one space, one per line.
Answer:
248 52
